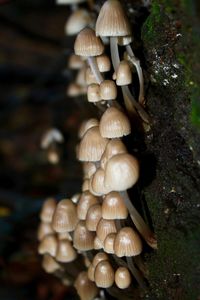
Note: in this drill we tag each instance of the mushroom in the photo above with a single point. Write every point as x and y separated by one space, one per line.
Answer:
93 217
75 62
121 173
83 239
85 202
78 20
122 278
109 243
43 230
92 122
105 227
90 46
49 264
47 210
52 135
85 288
65 252
112 22
48 245
104 274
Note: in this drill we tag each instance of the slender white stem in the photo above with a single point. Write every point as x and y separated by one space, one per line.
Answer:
139 223
136 63
128 97
95 70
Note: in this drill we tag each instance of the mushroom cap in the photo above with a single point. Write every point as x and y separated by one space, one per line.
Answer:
85 288
90 272
85 185
90 78
103 63
88 44
75 62
127 243
75 198
78 20
65 216
49 264
43 230
122 172
100 256
86 125
74 90
108 90
65 252
89 168
93 93
93 216
97 183
114 146
124 74
104 274
85 202
122 278
83 238
105 227
98 244
112 20
64 236
114 123
125 40
113 207
47 210
51 135
92 145
48 245
109 243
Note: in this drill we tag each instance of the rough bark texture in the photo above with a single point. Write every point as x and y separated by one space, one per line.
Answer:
171 181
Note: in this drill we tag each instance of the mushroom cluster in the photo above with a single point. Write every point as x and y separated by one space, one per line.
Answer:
99 231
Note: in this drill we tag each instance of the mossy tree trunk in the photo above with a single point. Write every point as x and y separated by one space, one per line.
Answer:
171 159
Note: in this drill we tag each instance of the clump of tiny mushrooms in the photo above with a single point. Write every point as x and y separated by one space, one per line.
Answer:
99 231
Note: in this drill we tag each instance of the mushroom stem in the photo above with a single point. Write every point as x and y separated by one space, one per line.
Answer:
128 97
94 67
135 272
139 223
136 63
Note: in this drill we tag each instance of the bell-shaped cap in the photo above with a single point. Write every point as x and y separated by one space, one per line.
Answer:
124 74
85 202
97 183
65 216
100 256
75 62
85 288
78 20
88 44
48 245
92 145
105 227
113 207
112 20
43 230
108 90
104 274
114 123
93 93
122 172
89 168
122 278
83 238
65 252
98 244
109 243
103 63
86 125
49 264
127 243
94 214
47 210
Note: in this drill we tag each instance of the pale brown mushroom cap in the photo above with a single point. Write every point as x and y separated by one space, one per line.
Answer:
75 198
113 207
114 124
100 256
98 244
65 216
125 40
88 44
92 145
112 20
43 230
49 264
104 274
97 183
93 93
47 210
90 272
75 62
64 236
85 185
78 20
65 252
122 172
86 289
48 245
74 90
114 146
124 74
89 168
105 227
108 90
127 243
93 216
85 202
83 238
122 278
86 125
104 63
109 243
